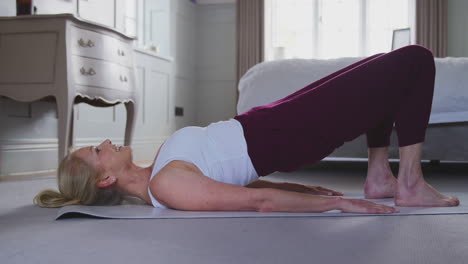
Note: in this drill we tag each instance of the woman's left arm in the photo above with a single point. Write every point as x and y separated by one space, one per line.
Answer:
294 187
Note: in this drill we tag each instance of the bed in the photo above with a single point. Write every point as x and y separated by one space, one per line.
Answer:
447 134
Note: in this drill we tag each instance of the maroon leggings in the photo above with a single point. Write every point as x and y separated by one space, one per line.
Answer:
368 96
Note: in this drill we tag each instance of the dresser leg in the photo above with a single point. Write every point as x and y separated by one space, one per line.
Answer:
130 125
65 123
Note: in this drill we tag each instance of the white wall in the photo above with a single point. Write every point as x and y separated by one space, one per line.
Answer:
216 62
185 50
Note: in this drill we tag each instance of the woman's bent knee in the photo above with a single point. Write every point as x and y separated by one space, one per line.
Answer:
417 51
419 57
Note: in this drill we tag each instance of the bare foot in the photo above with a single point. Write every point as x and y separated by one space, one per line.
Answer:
421 194
380 183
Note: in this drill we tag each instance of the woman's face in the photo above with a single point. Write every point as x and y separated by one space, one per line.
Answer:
106 157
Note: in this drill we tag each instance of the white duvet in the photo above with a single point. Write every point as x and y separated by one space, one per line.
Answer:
270 81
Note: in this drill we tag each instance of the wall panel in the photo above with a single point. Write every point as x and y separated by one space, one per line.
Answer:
216 62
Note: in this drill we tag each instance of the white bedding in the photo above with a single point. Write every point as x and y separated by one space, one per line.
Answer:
270 81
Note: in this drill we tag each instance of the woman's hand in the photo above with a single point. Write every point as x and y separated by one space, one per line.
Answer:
316 190
347 205
361 206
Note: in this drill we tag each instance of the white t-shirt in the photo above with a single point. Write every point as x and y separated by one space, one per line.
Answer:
218 150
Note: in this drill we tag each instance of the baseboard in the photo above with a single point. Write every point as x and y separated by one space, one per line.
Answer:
26 158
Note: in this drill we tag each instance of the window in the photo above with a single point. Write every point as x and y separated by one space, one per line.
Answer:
332 28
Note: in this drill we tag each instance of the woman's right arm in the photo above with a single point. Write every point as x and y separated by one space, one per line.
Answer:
183 188
287 201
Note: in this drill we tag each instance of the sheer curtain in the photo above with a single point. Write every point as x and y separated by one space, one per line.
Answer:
323 29
431 25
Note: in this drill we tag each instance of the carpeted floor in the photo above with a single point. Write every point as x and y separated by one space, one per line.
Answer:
29 234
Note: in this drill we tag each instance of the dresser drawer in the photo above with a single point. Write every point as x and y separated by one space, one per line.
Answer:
102 74
91 44
28 57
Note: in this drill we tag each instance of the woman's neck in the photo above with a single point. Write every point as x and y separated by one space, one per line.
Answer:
137 183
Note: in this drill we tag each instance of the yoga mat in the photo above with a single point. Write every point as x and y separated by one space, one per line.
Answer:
149 212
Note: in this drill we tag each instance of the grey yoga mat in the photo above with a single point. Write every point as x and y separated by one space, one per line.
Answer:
149 212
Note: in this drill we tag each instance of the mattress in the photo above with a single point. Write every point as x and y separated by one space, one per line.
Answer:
269 81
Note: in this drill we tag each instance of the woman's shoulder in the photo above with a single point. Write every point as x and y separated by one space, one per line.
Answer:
175 167
170 178
180 165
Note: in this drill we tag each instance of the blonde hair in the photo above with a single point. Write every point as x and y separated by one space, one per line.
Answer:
77 186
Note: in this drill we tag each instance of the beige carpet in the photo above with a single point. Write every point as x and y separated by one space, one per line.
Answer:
29 234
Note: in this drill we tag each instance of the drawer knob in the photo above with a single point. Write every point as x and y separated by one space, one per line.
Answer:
123 78
85 44
120 52
90 44
90 72
81 42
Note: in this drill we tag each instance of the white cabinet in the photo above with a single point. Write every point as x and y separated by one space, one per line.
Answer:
99 11
156 26
54 6
126 16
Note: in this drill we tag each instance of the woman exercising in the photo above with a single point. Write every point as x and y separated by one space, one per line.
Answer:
217 167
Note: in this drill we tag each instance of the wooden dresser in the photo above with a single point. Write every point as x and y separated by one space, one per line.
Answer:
70 60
